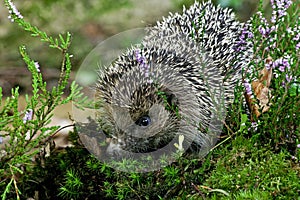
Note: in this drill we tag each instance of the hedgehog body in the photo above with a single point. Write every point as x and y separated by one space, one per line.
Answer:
174 82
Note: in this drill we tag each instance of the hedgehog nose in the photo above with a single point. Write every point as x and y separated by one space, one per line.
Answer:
113 150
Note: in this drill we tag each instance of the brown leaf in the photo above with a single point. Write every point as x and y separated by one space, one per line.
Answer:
260 102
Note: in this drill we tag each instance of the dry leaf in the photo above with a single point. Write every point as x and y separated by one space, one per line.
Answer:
260 103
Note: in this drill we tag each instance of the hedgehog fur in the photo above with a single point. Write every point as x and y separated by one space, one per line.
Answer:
170 84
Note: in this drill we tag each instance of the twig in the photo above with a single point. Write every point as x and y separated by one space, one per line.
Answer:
199 192
15 183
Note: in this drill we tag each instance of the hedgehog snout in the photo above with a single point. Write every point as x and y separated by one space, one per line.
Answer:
114 149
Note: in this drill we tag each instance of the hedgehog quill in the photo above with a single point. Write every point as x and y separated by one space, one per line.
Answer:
176 82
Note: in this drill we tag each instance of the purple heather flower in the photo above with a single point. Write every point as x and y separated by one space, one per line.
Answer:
37 66
273 19
13 11
248 88
242 37
262 30
28 115
288 4
298 46
245 34
279 9
138 56
267 48
285 63
289 30
282 64
298 146
273 28
276 63
250 34
143 65
262 19
273 45
254 126
268 65
288 78
281 68
281 13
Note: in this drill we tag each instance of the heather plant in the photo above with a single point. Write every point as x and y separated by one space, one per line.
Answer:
25 132
272 80
258 156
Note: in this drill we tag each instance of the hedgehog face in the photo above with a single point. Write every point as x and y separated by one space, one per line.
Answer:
145 123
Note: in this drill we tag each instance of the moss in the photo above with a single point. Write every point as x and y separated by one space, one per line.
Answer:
251 169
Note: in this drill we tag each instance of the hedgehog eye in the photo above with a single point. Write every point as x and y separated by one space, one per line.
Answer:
143 121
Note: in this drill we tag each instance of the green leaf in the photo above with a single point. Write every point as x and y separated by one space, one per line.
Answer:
294 89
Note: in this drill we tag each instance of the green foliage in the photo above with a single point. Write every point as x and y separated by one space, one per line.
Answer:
26 131
250 162
169 105
254 167
72 185
277 47
236 169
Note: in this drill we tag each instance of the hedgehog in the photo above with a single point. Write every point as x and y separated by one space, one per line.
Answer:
178 81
